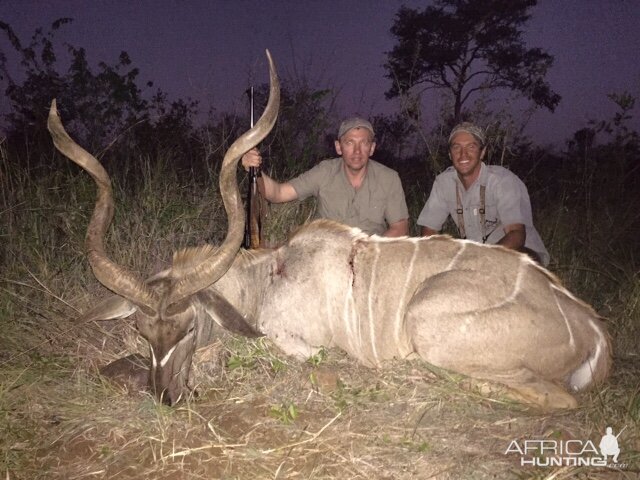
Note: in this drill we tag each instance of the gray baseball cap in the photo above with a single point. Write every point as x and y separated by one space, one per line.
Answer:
470 128
354 122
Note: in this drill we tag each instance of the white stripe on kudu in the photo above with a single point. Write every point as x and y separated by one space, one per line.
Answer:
373 315
166 358
402 299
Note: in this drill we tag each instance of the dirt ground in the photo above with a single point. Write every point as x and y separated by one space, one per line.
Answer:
260 414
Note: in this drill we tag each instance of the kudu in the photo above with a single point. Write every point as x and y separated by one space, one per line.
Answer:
484 311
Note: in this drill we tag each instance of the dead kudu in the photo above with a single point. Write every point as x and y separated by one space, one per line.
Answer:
484 311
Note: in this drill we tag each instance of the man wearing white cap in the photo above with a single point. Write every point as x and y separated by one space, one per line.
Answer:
352 189
488 203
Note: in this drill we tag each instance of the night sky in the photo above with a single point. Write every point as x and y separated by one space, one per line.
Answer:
211 50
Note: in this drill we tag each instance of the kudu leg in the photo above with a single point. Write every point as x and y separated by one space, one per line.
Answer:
523 387
526 387
459 322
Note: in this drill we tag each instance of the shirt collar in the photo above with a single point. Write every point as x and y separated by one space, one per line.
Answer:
481 180
343 169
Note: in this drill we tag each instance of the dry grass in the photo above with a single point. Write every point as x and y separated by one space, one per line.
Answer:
258 414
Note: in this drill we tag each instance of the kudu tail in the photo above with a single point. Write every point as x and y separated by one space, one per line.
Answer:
597 365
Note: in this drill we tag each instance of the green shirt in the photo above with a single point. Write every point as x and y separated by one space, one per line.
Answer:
378 202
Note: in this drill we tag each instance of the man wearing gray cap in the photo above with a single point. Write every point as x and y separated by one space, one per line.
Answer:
351 189
488 203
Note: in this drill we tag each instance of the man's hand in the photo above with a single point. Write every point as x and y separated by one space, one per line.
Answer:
271 190
515 236
251 159
397 229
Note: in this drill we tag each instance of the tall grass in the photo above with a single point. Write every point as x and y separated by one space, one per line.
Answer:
592 240
49 390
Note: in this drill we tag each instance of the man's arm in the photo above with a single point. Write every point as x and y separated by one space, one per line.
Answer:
427 232
276 192
435 211
396 213
515 236
270 189
514 210
397 229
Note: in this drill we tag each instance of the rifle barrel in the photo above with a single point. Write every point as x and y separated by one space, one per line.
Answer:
253 227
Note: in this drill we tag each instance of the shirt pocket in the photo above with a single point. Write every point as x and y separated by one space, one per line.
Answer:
491 220
376 209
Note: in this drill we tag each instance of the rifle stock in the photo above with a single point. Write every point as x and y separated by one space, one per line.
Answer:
253 225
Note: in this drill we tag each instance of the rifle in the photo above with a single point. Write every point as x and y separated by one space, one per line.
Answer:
253 225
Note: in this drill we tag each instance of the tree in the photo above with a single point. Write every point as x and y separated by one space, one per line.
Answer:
103 106
465 47
97 105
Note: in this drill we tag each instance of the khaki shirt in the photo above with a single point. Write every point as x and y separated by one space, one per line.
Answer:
506 202
378 202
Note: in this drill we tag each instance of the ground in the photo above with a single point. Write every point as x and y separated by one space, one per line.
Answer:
260 414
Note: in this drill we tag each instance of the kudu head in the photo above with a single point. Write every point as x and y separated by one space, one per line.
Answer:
171 306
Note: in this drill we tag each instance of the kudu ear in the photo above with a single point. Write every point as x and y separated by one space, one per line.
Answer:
110 308
226 314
